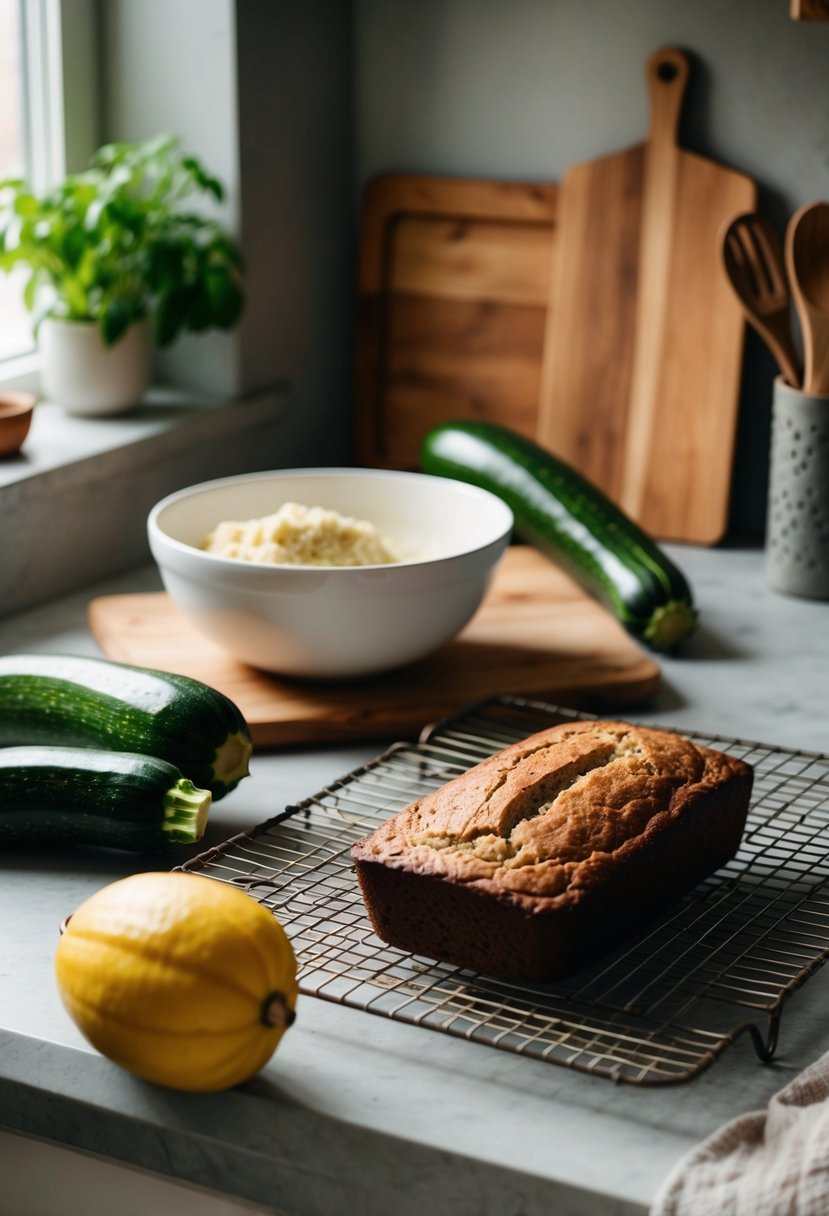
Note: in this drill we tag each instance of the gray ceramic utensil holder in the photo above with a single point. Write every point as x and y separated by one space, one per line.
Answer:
797 534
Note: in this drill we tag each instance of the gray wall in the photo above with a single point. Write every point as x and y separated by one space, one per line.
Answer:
261 91
170 65
296 103
521 89
296 156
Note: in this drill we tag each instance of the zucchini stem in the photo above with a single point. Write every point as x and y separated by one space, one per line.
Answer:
669 625
185 812
232 760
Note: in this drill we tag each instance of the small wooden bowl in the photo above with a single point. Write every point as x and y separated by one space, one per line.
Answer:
15 420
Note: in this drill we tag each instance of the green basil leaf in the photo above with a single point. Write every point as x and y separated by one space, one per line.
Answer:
169 318
72 245
115 321
226 298
30 290
26 205
200 308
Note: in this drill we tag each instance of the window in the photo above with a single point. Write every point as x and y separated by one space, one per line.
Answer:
48 118
15 325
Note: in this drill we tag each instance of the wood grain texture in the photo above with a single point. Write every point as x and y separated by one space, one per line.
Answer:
809 10
754 262
807 262
454 290
643 353
536 634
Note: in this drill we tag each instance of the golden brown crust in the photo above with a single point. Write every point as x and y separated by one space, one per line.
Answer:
549 825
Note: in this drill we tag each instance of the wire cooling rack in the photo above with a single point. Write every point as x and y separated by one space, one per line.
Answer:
659 1010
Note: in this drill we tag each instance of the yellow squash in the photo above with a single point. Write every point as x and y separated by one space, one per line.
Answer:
182 980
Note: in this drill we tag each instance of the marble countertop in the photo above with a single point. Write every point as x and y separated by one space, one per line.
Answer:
358 1114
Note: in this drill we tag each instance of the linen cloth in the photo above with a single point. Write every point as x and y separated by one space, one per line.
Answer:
773 1162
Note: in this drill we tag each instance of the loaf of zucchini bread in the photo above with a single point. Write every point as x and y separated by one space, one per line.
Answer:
546 855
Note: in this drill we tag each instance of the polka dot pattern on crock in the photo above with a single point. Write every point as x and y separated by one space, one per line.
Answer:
798 517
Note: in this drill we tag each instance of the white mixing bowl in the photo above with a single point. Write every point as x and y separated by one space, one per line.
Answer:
333 621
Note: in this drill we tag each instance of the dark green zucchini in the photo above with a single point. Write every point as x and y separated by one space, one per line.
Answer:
565 516
79 795
74 701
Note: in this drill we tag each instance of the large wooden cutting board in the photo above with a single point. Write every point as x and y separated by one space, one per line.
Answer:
640 387
536 634
454 287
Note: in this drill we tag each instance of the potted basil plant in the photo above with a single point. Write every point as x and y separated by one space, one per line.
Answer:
117 261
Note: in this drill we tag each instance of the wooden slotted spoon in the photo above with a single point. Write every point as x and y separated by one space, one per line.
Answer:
807 260
753 257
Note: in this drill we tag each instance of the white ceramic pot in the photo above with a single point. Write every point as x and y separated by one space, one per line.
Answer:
86 377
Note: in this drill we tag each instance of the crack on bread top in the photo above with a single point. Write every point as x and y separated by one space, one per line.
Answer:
533 815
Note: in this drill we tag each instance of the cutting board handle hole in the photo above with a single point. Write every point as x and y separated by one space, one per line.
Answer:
667 72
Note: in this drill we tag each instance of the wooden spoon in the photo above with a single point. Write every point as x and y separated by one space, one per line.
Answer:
807 259
753 257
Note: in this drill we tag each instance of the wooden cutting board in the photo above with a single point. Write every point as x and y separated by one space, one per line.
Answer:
536 634
640 386
454 288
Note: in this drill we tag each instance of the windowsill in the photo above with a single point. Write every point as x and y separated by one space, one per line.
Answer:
77 496
21 372
58 440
